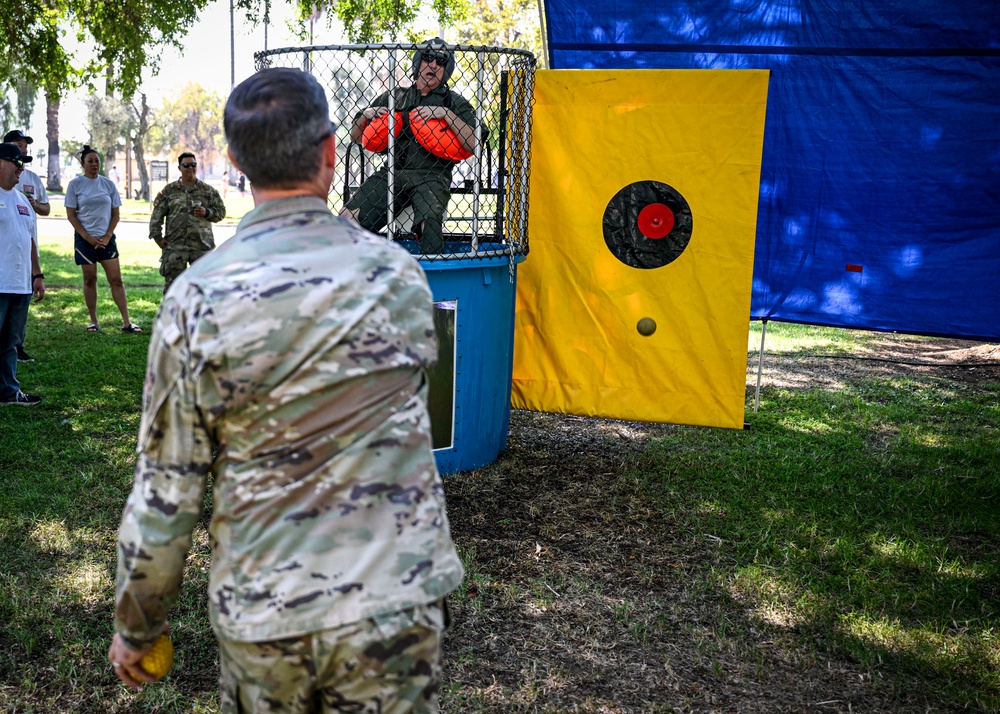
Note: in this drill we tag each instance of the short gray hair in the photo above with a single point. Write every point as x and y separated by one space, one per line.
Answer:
274 120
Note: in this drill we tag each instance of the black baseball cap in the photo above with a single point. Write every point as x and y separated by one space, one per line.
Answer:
17 135
13 153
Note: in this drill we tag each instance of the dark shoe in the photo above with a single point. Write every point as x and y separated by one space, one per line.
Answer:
21 400
23 356
135 329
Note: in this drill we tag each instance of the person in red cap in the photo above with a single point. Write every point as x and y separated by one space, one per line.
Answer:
34 190
421 177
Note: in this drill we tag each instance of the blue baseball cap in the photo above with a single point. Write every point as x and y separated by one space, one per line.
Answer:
12 152
17 135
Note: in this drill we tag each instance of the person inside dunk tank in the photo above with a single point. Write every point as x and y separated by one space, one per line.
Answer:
433 129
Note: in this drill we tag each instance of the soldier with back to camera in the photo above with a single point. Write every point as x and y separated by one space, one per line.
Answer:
290 364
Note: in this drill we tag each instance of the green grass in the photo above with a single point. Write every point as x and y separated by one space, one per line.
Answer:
132 210
864 520
792 338
867 518
137 260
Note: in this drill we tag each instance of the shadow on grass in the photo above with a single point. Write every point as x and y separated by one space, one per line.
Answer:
79 442
839 555
67 467
56 598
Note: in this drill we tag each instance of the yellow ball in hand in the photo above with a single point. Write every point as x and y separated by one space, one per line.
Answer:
160 658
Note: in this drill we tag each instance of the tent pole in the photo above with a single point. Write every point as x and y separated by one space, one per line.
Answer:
760 364
545 39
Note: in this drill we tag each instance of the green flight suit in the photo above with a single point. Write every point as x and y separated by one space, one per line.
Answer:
421 179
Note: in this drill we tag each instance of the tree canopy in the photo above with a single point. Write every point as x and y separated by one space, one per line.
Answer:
58 45
502 23
191 121
126 37
364 20
109 125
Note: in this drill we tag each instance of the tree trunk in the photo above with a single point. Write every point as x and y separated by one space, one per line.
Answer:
137 146
54 181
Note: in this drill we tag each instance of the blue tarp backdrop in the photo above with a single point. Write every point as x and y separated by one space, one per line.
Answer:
880 188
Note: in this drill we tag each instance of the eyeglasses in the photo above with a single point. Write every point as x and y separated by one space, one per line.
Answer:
440 57
17 162
329 132
189 165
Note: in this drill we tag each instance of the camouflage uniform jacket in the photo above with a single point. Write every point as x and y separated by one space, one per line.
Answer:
291 365
186 231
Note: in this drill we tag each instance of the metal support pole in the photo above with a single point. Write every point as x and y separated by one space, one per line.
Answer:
480 81
390 213
523 159
760 364
232 46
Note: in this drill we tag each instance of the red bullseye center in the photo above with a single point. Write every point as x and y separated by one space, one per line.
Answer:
656 221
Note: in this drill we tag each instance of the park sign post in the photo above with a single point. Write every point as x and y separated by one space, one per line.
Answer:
158 176
158 171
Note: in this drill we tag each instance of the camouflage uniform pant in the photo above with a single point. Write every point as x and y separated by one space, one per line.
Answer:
390 664
175 261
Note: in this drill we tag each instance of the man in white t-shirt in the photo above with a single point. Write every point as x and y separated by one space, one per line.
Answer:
20 272
34 190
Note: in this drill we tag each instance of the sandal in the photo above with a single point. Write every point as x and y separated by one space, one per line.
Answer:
134 329
93 327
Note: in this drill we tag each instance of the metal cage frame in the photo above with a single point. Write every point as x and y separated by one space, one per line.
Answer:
487 213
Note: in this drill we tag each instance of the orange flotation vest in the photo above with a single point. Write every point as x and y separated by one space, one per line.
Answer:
375 137
438 138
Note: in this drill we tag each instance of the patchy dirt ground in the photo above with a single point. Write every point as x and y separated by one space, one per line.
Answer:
580 598
881 355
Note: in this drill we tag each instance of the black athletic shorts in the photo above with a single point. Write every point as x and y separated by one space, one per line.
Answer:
86 254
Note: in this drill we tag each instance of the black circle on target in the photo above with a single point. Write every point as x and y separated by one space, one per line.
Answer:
636 219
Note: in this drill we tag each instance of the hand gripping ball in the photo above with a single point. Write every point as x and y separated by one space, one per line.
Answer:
160 658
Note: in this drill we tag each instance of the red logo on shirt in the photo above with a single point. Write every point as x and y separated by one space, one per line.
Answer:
23 210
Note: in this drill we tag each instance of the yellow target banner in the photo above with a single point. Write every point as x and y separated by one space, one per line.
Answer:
634 302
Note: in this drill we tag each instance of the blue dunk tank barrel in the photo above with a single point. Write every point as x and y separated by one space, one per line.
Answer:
471 259
470 385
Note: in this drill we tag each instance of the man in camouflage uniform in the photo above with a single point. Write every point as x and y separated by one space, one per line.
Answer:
291 365
189 207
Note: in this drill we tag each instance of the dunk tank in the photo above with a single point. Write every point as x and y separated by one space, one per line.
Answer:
472 270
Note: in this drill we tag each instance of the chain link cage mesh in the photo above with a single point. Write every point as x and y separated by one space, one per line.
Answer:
486 211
